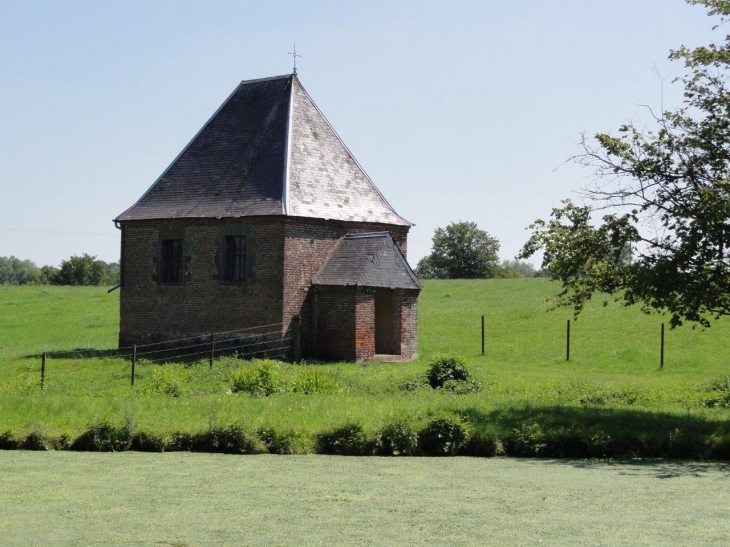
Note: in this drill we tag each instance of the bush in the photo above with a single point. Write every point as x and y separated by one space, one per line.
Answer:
7 441
397 439
719 391
180 442
444 368
36 440
144 442
348 440
171 380
264 380
443 437
104 437
483 444
277 442
309 381
232 439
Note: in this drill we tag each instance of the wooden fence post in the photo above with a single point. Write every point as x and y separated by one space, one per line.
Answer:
296 338
43 370
134 361
661 352
567 343
212 349
482 335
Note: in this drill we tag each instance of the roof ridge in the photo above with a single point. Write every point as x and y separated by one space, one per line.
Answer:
257 80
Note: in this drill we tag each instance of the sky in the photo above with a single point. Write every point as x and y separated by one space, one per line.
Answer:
458 111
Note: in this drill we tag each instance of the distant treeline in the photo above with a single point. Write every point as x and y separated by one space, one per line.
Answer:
507 269
77 270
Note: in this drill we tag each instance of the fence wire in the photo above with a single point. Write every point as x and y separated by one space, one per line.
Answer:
95 353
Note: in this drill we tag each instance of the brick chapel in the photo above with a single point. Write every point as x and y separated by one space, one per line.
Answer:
266 218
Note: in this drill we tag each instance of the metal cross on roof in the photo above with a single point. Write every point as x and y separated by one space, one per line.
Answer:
294 54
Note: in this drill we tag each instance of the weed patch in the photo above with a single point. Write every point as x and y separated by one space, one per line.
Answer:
172 380
263 380
310 381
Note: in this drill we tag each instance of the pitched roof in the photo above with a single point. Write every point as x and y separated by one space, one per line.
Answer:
268 150
367 260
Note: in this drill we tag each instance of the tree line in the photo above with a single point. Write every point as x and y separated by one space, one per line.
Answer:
78 270
462 251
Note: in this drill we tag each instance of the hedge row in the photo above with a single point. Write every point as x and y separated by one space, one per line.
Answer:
440 437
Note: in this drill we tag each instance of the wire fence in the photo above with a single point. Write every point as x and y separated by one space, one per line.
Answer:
258 341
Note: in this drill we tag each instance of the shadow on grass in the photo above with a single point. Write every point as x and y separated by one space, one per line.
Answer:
599 432
658 469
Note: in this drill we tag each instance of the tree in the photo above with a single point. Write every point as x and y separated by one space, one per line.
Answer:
666 195
426 270
515 269
81 270
461 251
14 271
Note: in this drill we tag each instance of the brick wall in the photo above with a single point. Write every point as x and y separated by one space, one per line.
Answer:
409 324
365 324
335 323
151 311
307 244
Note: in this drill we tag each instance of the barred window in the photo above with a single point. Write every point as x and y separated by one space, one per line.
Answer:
172 261
235 258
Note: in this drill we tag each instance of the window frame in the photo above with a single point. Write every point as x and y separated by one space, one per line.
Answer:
235 249
172 261
245 274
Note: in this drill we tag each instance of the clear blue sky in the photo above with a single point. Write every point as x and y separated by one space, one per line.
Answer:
457 110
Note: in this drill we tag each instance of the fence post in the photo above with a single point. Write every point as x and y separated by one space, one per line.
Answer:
661 352
482 335
212 349
134 361
296 338
567 343
43 370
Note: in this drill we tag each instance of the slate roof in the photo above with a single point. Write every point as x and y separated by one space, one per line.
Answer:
268 150
367 260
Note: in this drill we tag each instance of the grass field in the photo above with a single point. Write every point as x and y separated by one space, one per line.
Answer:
611 391
208 500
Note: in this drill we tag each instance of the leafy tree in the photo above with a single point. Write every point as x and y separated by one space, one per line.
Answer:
666 195
515 269
82 270
14 271
461 251
426 270
112 273
48 275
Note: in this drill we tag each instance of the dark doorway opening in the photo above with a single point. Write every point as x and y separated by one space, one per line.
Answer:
384 340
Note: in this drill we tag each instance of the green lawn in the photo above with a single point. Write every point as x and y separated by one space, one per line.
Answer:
612 387
205 500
